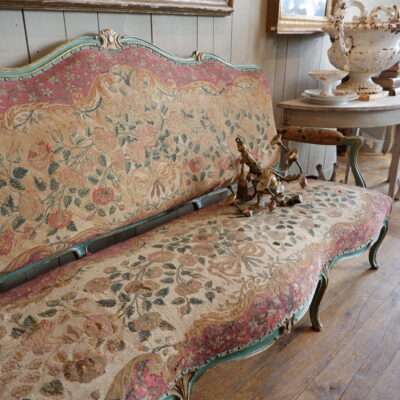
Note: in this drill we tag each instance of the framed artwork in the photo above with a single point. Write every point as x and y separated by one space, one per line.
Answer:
198 7
298 16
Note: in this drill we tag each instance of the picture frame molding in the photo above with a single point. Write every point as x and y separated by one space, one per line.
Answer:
185 7
295 24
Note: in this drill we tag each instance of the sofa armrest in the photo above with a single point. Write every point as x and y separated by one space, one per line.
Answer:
328 137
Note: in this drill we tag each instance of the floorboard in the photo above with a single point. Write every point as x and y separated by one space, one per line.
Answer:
355 357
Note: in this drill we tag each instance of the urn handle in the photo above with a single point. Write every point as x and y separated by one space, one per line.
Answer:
338 22
392 14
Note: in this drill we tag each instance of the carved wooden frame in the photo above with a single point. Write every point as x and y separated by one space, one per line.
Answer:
277 22
197 7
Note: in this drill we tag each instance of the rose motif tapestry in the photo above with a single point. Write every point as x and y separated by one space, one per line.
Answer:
102 139
125 322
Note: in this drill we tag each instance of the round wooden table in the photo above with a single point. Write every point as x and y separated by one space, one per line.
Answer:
356 114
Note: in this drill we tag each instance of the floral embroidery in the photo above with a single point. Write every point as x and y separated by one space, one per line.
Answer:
119 137
118 146
137 314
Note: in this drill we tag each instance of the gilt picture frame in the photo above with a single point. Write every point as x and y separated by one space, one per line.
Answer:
298 16
186 7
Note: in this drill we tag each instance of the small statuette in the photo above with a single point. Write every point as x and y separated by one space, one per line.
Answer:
265 180
109 39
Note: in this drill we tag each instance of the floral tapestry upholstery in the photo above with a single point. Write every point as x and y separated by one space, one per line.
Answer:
103 139
125 322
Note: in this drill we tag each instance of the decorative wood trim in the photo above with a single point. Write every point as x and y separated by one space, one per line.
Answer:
182 386
109 41
198 7
277 22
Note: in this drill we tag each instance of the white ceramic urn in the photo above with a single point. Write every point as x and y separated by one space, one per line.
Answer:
366 46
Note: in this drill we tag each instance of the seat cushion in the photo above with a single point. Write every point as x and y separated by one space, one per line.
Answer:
125 322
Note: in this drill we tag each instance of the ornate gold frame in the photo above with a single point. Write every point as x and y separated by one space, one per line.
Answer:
197 7
281 23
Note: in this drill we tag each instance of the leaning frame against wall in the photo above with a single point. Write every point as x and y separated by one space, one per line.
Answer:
198 7
298 16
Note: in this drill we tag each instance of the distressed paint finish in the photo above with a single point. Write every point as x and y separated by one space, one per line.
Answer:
365 47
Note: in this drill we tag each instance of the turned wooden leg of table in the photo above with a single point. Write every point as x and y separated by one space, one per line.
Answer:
394 165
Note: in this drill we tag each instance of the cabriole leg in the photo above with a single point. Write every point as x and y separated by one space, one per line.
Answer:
316 301
375 246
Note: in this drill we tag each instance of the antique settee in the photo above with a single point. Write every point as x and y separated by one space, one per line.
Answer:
107 137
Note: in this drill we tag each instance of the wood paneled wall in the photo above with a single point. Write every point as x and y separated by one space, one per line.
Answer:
241 38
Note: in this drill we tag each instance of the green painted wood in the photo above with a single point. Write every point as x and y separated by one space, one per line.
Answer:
249 349
374 249
71 47
354 149
82 249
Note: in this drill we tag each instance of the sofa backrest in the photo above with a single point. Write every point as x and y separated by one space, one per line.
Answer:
106 131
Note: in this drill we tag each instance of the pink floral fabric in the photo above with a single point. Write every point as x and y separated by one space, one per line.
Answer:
125 322
103 139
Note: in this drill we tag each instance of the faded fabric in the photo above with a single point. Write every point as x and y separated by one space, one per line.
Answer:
103 139
125 322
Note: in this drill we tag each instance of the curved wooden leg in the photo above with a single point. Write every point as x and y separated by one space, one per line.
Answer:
375 246
316 301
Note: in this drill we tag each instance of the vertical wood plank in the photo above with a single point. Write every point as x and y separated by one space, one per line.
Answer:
310 60
205 34
223 36
293 56
13 49
330 151
45 30
326 45
127 24
279 79
175 34
80 24
262 46
241 24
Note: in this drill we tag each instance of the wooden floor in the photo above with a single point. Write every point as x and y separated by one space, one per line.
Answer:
355 357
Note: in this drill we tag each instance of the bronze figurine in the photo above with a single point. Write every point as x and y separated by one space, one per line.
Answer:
265 180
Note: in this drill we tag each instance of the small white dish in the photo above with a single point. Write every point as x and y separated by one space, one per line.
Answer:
328 78
345 94
331 100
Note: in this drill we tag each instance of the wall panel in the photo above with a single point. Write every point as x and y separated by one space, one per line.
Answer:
13 48
80 24
241 26
44 30
175 34
127 24
205 34
223 36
